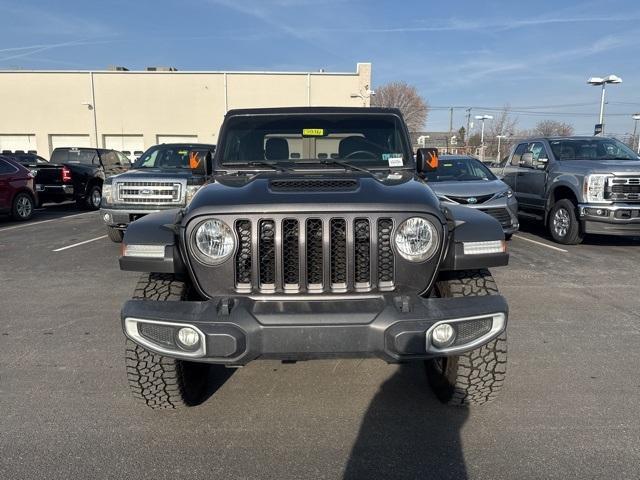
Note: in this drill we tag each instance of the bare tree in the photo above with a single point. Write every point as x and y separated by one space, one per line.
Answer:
405 97
552 128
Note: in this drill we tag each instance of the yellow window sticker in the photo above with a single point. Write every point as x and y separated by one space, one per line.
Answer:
313 132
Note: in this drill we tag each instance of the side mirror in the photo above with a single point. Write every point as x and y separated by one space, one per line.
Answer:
541 163
527 160
426 160
198 162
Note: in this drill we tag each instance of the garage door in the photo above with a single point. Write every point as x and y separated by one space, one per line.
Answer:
177 138
69 141
18 142
127 144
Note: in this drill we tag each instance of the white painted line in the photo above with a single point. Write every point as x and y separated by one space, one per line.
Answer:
542 244
43 221
78 244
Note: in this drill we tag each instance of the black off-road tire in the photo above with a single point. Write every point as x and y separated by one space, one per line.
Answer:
158 381
115 235
475 377
573 235
22 206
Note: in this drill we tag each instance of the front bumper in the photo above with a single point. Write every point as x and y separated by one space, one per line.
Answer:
121 218
616 219
235 331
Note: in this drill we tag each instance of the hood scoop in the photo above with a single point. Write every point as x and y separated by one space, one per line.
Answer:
313 185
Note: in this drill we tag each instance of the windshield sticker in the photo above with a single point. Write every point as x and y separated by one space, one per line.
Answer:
313 132
394 159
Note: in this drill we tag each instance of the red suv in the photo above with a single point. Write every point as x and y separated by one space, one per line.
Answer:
17 196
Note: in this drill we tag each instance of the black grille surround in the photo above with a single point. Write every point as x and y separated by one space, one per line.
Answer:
500 214
317 254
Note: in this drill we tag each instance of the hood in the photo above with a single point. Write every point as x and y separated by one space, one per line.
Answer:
275 192
140 174
476 188
620 167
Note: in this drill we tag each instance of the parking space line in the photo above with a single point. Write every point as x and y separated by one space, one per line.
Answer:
43 221
79 243
541 244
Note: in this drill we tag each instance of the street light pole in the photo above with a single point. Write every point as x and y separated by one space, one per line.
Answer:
636 117
482 118
499 137
602 81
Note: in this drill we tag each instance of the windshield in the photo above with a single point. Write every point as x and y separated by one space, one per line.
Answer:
370 141
591 149
85 157
170 157
459 169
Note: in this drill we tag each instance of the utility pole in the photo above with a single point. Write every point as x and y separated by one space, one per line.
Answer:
450 121
468 134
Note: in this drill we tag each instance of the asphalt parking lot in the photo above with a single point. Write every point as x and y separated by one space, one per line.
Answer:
569 409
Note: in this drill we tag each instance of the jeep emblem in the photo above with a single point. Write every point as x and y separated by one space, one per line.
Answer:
472 200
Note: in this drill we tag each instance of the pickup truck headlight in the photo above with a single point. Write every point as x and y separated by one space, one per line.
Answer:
107 193
190 192
416 239
594 188
214 241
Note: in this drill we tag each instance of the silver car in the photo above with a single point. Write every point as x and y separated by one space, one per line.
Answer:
463 180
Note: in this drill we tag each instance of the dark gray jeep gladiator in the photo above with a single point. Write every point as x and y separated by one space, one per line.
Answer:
576 186
165 176
317 238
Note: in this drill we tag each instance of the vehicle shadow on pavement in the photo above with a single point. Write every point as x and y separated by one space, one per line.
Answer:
218 375
537 229
407 433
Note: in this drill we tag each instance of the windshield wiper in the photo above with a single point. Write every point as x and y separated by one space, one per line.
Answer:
341 163
273 165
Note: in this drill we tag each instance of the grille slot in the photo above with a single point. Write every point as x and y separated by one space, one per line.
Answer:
362 252
500 214
338 253
626 189
385 253
314 254
472 329
243 257
291 253
267 254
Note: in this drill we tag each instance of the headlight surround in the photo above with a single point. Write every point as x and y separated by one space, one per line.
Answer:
506 193
213 241
416 239
594 188
190 192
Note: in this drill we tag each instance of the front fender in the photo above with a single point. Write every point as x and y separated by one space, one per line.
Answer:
471 226
156 229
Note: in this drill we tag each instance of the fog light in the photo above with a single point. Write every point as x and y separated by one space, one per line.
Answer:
443 335
188 338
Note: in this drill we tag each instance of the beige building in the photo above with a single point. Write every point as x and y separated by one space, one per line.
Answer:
132 110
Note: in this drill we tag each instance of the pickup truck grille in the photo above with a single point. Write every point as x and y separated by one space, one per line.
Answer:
623 189
150 192
314 255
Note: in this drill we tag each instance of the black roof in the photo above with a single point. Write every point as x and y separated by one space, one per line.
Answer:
294 110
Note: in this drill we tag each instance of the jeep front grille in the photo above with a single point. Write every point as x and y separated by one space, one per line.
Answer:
149 192
314 255
623 189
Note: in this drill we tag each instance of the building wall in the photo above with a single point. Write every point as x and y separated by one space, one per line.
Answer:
150 104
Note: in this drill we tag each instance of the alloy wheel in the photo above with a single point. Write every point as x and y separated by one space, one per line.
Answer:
561 222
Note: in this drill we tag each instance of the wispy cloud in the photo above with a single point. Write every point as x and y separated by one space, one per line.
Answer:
28 51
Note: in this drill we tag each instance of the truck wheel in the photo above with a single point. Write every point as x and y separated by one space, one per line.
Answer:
115 235
475 377
92 200
158 381
23 205
564 225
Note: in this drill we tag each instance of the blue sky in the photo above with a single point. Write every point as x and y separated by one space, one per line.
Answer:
463 53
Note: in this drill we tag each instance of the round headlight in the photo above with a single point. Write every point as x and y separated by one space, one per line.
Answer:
416 239
214 241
